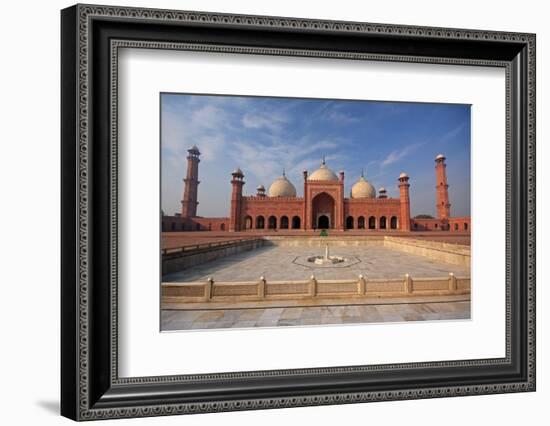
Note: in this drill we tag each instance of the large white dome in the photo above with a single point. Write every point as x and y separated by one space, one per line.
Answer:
323 173
363 189
282 187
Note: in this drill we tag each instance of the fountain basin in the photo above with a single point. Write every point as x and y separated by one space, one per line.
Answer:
326 260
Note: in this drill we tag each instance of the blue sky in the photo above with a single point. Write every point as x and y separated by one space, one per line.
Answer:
264 135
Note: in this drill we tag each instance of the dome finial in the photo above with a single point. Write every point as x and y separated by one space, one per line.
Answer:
362 173
323 173
323 162
284 173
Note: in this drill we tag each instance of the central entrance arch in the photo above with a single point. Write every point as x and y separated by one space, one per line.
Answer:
322 208
323 222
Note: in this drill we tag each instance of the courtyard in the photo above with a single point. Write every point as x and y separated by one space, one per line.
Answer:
290 263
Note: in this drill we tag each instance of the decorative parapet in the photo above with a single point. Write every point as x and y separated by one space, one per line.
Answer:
266 199
373 201
219 295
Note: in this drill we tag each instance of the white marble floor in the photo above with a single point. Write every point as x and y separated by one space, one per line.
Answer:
317 315
280 263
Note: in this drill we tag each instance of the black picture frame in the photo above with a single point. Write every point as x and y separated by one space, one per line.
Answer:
90 386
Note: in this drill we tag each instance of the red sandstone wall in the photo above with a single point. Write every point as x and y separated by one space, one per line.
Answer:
277 208
179 223
426 225
454 224
367 208
460 224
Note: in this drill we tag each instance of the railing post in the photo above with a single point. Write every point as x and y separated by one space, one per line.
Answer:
209 288
408 284
361 285
261 287
312 286
452 282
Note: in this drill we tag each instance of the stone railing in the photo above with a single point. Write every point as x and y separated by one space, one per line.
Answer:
180 258
210 294
455 254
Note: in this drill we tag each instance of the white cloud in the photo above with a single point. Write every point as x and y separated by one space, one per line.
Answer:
335 113
209 116
397 155
453 133
274 121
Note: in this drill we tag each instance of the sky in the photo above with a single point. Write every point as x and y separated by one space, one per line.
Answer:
264 135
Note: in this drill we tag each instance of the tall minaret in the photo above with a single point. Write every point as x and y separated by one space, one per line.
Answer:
305 213
190 192
442 205
236 200
405 222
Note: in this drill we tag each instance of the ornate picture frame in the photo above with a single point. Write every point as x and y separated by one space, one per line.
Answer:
90 39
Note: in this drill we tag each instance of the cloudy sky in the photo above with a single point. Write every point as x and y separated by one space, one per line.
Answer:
263 136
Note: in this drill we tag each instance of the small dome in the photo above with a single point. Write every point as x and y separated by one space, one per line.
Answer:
194 149
237 171
260 188
363 189
440 156
282 187
323 173
382 189
403 175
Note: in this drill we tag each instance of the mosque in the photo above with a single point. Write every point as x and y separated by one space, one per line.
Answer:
324 205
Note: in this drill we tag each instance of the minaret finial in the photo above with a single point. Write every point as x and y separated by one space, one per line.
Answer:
284 174
323 162
362 173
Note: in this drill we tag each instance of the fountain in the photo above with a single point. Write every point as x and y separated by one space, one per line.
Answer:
326 259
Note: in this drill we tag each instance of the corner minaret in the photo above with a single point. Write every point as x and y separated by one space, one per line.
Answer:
305 212
190 192
405 222
442 205
236 200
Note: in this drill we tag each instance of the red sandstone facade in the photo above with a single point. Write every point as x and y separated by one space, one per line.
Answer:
323 206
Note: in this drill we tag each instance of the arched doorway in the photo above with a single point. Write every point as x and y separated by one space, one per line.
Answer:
372 222
284 222
222 226
247 222
322 208
260 222
393 222
272 222
323 222
383 222
349 222
296 222
361 222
